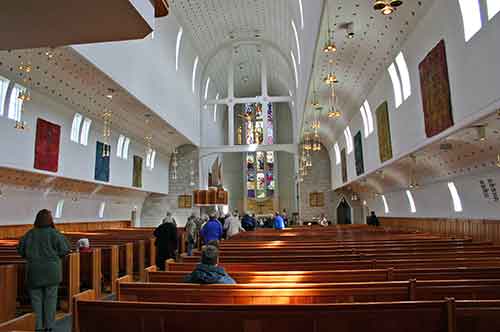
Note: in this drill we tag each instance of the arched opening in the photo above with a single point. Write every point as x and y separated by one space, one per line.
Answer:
344 215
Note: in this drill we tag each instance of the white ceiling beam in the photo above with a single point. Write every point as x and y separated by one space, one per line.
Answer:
209 150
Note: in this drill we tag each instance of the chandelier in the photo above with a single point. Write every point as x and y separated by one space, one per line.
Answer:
316 124
329 46
330 78
316 146
174 165
387 7
315 99
308 159
106 132
307 142
333 112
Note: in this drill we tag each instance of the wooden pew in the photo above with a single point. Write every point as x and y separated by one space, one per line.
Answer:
439 316
8 292
22 323
290 257
386 291
346 265
267 277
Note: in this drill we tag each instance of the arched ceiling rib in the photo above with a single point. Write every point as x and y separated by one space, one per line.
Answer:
360 62
215 23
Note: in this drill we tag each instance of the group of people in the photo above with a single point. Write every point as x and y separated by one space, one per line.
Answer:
214 227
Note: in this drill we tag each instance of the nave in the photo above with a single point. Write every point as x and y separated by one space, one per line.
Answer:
417 291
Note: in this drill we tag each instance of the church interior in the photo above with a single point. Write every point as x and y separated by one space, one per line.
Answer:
370 129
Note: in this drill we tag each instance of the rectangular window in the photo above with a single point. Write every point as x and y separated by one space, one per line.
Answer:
348 139
102 206
119 147
405 75
4 86
337 154
365 120
84 137
15 103
413 209
75 128
457 202
493 8
126 145
396 85
386 206
369 116
59 209
471 16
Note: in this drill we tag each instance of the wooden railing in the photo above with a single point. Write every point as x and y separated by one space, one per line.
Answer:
478 229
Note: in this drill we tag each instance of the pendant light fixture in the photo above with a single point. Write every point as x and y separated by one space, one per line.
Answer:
330 78
330 46
387 7
307 141
333 112
315 99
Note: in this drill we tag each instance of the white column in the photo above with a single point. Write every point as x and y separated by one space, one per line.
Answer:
263 74
230 98
264 121
230 124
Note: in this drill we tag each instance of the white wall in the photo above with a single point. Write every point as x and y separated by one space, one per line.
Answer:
146 69
435 200
76 162
473 69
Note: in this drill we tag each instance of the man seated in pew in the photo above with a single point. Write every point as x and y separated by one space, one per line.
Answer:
209 271
83 245
373 220
166 241
43 247
212 230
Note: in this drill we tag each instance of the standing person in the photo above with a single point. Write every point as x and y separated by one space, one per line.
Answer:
191 229
285 217
166 241
43 247
248 222
373 220
279 223
212 230
233 226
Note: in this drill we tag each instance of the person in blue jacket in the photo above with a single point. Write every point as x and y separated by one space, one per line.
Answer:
279 223
212 230
208 271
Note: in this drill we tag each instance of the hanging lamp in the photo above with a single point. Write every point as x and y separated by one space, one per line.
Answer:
333 112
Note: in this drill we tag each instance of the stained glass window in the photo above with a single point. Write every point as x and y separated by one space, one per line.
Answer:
260 165
260 175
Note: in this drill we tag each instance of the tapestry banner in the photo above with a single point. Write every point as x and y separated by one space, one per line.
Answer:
435 87
47 146
384 132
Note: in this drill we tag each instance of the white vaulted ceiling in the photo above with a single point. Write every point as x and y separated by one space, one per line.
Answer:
359 62
215 25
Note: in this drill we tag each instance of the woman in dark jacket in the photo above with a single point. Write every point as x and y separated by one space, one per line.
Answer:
43 247
166 241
